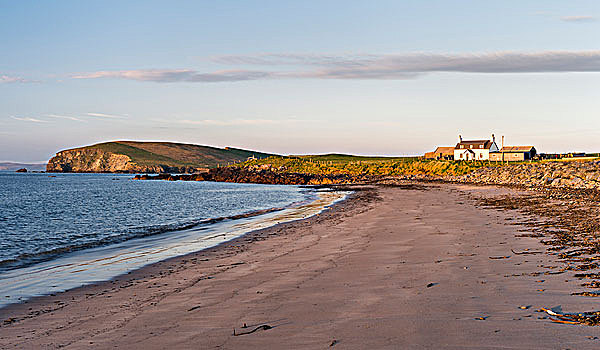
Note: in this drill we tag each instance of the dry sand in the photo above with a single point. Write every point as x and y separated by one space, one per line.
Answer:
410 270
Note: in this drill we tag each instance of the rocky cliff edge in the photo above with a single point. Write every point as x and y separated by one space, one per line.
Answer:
99 161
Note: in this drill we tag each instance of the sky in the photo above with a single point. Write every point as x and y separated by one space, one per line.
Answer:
299 77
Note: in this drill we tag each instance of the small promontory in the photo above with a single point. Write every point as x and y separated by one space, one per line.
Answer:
146 157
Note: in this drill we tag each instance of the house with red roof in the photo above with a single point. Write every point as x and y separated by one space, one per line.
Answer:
475 149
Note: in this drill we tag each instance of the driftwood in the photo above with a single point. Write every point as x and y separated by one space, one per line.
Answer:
523 253
263 327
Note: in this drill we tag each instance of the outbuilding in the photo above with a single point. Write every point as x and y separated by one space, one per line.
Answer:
446 153
513 154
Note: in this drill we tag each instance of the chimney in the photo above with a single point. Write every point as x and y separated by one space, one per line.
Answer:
502 141
460 138
493 138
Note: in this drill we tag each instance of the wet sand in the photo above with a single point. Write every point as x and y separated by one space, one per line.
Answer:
404 267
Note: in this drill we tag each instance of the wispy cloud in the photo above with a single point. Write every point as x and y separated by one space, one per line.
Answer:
369 66
231 122
64 117
175 75
289 59
29 119
416 63
102 115
11 79
578 19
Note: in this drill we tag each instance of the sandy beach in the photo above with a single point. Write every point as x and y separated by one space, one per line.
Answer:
419 266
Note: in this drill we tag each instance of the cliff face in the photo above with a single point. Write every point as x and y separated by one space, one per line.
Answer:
99 161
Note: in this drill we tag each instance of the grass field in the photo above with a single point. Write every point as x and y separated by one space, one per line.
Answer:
355 165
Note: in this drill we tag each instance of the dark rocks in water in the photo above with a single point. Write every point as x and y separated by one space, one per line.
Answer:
241 175
22 170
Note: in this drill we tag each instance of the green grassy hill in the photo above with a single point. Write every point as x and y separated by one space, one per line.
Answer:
175 154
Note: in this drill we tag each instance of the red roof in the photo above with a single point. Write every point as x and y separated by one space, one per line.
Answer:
476 143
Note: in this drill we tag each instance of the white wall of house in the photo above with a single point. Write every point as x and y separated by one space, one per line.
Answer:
479 153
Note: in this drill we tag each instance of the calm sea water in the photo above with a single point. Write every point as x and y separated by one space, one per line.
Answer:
43 217
69 230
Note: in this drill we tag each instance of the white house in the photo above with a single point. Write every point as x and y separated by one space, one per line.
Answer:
475 150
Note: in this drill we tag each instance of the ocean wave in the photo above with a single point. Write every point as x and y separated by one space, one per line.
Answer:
28 259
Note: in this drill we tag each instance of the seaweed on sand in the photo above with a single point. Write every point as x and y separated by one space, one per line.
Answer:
570 226
591 318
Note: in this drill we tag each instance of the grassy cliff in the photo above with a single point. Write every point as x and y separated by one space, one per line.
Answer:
133 156
177 154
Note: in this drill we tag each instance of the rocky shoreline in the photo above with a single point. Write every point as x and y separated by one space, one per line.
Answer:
243 175
572 175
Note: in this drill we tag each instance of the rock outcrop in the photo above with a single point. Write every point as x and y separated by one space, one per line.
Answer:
92 160
241 175
573 175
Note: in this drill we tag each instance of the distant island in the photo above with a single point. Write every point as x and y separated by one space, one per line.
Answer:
147 157
13 166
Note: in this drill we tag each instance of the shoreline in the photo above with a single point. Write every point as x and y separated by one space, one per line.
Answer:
104 263
380 282
45 303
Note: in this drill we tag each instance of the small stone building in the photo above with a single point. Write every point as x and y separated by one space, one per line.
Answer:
445 153
513 154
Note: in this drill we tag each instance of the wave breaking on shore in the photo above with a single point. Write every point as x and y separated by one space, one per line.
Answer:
103 263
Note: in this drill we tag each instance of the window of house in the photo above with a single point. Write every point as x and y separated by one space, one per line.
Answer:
470 146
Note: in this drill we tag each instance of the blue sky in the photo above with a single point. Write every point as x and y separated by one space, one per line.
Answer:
385 77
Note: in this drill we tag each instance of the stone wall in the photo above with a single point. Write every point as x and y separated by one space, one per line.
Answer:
573 174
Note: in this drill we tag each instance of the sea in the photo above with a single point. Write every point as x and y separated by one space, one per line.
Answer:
62 231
